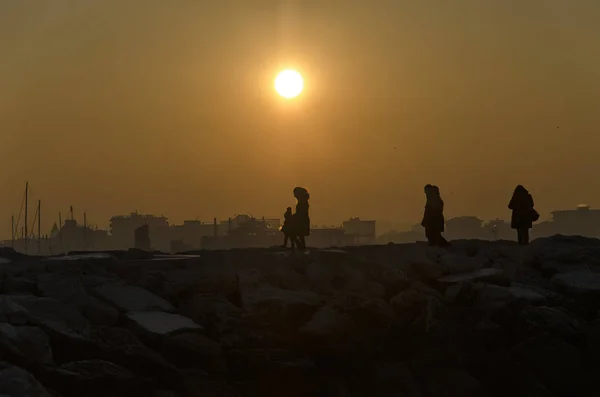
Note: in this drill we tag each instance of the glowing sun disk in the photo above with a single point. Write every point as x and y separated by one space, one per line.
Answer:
289 83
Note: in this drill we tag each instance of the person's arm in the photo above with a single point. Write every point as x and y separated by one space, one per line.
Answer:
531 201
511 204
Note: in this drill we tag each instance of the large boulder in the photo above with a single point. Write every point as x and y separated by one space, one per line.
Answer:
12 313
153 323
192 350
16 382
580 282
216 313
329 328
122 347
486 275
555 362
97 378
412 303
129 298
27 346
275 306
99 313
453 382
274 372
65 326
65 288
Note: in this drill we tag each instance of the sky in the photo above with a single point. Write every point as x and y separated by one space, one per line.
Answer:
168 107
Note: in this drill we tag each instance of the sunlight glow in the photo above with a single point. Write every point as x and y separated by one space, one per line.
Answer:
289 83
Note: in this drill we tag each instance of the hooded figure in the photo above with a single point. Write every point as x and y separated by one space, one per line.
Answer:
433 218
523 213
301 220
288 228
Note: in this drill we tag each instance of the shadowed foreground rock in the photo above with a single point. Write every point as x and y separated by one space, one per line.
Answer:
480 319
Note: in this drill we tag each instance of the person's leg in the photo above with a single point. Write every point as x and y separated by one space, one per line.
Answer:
520 236
302 242
444 242
285 240
429 236
525 236
435 237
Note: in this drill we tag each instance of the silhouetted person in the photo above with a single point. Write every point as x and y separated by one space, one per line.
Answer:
301 220
433 218
523 213
288 228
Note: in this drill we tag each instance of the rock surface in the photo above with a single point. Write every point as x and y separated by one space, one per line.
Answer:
481 319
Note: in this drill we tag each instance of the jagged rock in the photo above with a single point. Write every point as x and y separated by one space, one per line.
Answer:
59 321
495 297
27 346
580 282
328 328
279 307
122 347
67 289
555 362
487 274
11 312
195 382
327 278
274 372
128 298
506 375
97 378
18 285
195 351
209 279
99 313
453 382
395 379
16 382
428 269
160 323
410 304
371 316
210 310
555 320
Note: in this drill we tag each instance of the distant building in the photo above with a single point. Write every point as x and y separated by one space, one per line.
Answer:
465 227
244 232
122 231
581 221
359 232
189 236
327 237
498 229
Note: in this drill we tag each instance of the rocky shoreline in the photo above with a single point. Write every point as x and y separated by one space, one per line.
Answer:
480 319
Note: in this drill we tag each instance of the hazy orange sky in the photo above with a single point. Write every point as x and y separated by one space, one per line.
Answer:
168 106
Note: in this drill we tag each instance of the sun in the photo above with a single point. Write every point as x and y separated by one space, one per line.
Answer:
289 83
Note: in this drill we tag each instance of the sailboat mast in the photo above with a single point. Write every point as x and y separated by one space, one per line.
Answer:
39 211
85 230
62 249
26 208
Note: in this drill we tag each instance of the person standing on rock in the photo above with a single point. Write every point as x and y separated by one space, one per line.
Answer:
433 218
523 213
288 228
301 220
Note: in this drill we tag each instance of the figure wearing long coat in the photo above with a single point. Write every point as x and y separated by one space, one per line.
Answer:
523 213
522 206
433 218
301 220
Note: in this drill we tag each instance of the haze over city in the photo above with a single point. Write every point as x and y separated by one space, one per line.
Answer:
169 107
